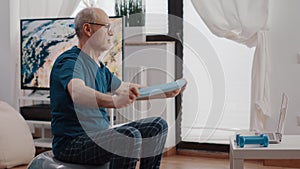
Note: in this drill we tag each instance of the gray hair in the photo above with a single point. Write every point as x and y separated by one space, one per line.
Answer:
84 16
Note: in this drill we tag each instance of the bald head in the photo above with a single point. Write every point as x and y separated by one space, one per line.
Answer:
88 15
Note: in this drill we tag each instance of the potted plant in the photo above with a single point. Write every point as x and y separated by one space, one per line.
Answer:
133 10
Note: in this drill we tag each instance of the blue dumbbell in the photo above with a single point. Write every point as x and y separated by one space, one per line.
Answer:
237 139
261 139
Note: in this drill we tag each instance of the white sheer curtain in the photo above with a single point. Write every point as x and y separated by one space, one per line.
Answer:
244 22
47 8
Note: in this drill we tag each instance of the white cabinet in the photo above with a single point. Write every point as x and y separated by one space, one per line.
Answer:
43 141
158 60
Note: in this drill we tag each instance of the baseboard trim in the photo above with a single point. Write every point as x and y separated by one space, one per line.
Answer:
207 154
169 151
293 163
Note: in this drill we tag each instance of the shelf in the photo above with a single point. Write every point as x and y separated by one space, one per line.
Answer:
43 142
29 104
35 98
45 124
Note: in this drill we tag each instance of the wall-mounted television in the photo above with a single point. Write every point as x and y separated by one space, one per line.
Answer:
43 40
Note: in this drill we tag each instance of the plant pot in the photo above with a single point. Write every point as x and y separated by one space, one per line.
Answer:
137 19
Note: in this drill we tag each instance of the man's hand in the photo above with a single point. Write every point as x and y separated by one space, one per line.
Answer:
172 93
175 92
164 95
126 96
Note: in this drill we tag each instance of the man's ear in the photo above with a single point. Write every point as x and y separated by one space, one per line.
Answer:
87 29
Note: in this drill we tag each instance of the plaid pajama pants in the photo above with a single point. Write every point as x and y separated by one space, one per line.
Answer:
121 146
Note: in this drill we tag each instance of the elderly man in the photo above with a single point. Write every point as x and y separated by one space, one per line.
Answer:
80 90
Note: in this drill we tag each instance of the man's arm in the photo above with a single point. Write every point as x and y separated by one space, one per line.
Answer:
126 85
86 96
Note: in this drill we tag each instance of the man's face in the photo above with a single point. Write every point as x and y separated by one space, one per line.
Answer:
101 39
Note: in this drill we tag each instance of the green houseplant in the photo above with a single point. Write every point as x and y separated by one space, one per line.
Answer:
133 10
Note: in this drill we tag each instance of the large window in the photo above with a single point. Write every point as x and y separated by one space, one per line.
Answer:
209 59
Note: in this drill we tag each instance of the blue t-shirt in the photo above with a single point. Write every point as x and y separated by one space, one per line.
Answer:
70 120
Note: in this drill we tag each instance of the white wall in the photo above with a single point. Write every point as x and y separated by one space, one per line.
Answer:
5 61
284 44
8 50
158 59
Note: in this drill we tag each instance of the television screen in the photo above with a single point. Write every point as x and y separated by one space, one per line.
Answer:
43 40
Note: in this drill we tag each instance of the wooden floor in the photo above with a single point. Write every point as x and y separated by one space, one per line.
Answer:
191 162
